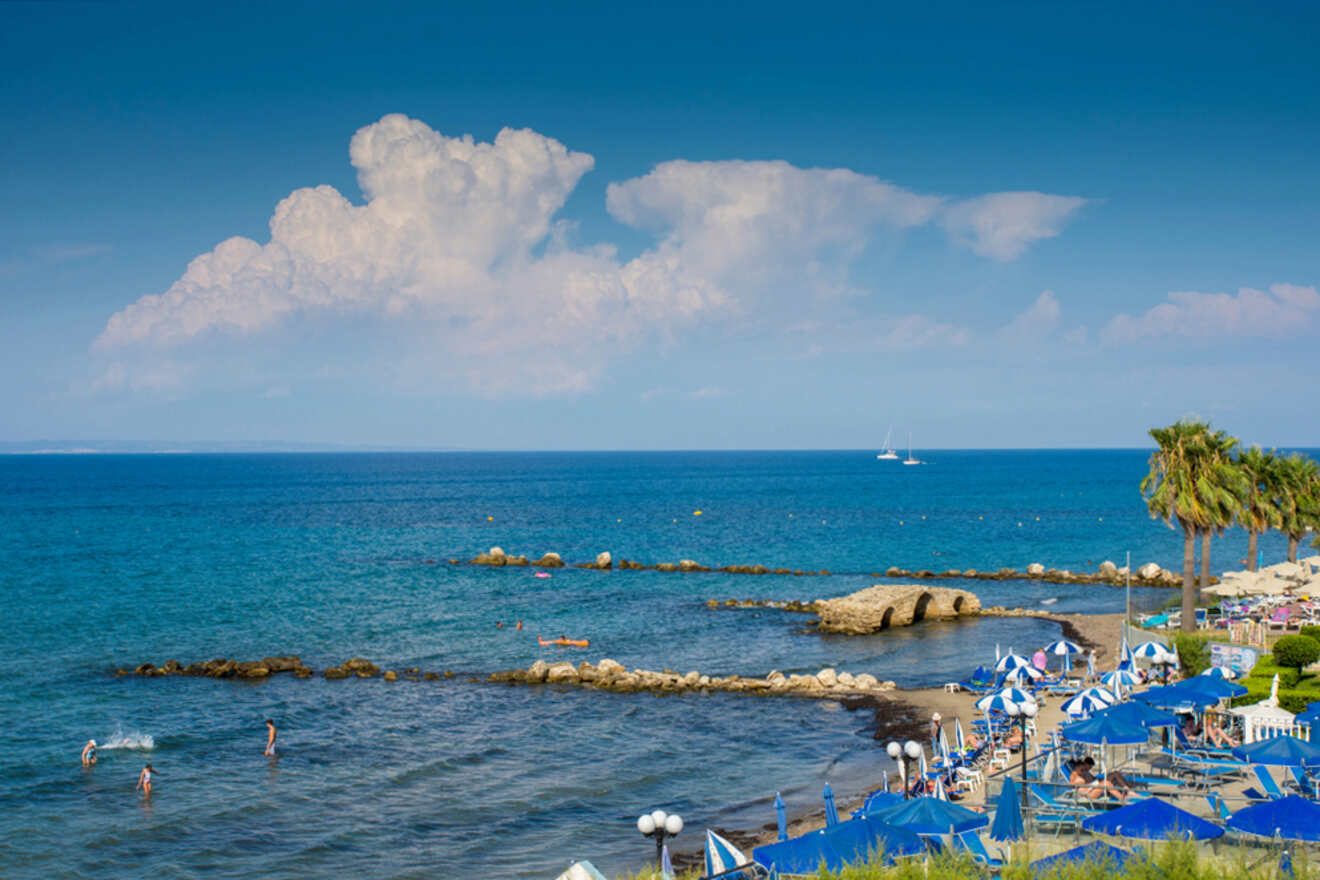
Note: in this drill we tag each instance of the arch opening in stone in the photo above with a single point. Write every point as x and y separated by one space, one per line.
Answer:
919 611
888 616
957 605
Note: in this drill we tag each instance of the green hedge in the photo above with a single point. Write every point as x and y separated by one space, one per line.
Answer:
1296 651
1193 653
1312 631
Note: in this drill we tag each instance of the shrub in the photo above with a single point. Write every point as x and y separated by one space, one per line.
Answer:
1312 631
1193 653
1296 651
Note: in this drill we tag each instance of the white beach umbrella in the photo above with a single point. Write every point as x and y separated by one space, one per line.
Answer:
1152 651
1062 648
1099 693
1083 704
1011 661
1116 677
1220 672
1030 673
1001 700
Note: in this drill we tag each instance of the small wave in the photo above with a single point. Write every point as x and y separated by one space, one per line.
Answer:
136 741
1050 601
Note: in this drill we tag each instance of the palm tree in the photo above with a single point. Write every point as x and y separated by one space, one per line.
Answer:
1225 489
1260 511
1181 489
1299 499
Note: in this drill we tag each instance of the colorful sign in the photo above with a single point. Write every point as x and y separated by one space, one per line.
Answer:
1239 658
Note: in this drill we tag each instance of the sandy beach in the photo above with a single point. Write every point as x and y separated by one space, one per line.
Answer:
905 714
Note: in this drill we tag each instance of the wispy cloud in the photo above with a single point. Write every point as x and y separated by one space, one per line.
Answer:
1281 311
1003 225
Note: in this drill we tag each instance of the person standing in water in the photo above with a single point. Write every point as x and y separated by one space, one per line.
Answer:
89 753
144 780
270 737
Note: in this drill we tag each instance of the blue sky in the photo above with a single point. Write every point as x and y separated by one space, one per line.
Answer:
749 226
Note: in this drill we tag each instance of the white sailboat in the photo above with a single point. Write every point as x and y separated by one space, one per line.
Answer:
888 453
910 459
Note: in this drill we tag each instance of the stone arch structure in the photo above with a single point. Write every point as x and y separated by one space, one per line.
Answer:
882 606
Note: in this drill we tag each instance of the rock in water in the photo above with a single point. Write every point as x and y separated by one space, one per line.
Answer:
1150 571
1035 570
604 560
883 606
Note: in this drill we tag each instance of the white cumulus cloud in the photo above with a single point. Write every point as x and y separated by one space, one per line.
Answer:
1282 310
459 242
1002 225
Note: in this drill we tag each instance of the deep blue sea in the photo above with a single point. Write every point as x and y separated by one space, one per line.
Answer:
109 561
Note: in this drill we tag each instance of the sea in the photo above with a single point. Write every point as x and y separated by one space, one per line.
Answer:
108 561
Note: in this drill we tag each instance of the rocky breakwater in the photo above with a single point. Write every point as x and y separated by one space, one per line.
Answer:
1148 575
223 667
355 667
882 606
610 675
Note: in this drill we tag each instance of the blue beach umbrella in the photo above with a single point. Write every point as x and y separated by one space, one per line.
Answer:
879 801
1101 730
930 815
1220 672
801 855
1096 851
1280 751
1288 818
1216 687
831 811
1007 695
1152 819
1140 713
1008 813
1178 699
857 839
721 855
781 816
1118 677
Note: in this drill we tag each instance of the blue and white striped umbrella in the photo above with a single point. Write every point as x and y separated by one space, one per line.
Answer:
1152 651
1030 673
721 855
1117 677
1220 672
1100 694
999 702
1082 705
1062 648
1011 661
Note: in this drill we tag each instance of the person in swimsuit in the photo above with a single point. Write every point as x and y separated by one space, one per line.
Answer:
144 780
89 753
270 737
519 626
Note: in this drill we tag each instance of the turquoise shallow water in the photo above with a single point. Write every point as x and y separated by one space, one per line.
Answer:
108 561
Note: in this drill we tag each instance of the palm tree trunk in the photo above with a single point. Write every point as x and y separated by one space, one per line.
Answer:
1292 548
1189 579
1251 551
1205 558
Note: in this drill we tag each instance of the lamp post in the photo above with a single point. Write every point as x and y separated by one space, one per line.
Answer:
908 752
1022 713
659 824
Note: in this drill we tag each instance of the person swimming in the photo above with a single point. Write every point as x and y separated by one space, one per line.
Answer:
144 780
89 753
519 626
270 737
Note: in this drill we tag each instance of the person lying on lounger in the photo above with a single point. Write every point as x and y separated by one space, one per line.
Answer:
1088 786
1220 737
